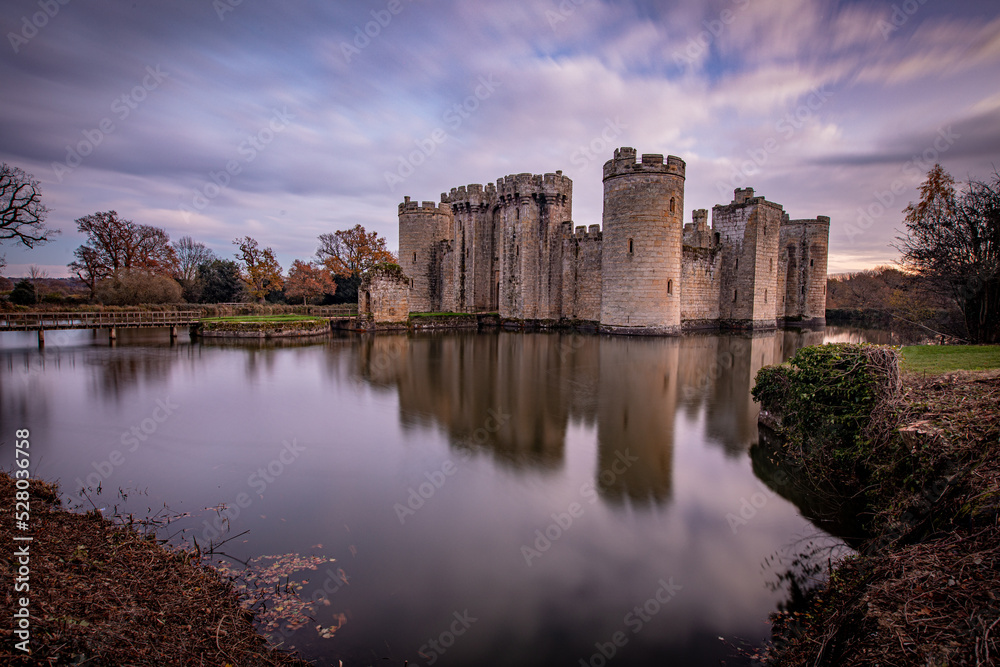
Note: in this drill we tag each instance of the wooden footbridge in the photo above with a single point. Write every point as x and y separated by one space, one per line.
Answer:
340 317
112 321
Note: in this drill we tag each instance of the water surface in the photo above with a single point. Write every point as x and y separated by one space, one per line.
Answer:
497 498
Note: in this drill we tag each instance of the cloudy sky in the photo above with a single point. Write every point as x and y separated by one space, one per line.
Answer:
217 119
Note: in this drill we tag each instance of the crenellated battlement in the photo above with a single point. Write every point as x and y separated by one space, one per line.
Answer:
551 186
427 207
818 221
745 197
624 163
582 232
510 246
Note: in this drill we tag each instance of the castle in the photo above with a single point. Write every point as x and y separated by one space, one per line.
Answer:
511 248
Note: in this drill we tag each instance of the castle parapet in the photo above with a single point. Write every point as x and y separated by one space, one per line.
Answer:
624 162
427 207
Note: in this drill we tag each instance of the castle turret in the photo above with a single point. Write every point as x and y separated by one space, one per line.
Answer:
642 237
425 232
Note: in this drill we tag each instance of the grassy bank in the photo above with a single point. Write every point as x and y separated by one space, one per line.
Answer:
102 594
923 454
947 358
287 317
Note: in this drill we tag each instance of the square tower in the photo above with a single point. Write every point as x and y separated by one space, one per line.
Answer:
748 229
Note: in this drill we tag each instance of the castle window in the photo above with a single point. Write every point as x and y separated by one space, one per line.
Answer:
735 293
770 264
810 262
670 287
803 290
414 257
765 296
672 204
718 237
630 246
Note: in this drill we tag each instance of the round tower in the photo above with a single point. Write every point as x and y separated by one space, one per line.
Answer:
643 235
424 231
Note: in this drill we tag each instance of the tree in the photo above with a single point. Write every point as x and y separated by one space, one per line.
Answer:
24 294
219 282
115 244
22 213
35 275
348 253
306 280
190 255
953 240
260 271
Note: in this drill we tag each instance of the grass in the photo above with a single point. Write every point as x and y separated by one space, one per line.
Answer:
947 358
288 317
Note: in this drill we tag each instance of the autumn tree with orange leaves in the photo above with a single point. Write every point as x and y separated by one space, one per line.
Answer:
306 281
348 253
259 270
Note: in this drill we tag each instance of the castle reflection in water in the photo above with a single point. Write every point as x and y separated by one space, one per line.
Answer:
631 389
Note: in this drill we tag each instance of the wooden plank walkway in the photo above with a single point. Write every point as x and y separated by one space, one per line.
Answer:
97 320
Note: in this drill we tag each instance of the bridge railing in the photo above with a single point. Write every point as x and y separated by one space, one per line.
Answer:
96 320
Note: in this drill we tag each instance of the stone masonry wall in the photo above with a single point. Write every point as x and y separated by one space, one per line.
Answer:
803 254
424 232
700 284
383 297
581 279
748 229
641 257
510 247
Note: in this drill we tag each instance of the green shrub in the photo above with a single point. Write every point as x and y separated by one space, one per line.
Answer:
24 294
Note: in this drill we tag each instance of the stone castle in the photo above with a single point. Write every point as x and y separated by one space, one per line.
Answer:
512 248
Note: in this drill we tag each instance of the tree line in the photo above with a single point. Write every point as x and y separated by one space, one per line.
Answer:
125 263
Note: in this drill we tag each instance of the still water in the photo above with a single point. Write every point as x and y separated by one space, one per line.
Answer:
489 499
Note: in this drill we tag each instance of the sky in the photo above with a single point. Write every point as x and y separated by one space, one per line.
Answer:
218 119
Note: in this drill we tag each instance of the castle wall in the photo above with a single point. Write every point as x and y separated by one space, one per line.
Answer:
581 269
803 254
748 229
532 210
424 231
510 247
701 276
384 298
641 258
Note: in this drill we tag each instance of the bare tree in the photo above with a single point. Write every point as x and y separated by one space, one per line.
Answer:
22 213
190 255
36 274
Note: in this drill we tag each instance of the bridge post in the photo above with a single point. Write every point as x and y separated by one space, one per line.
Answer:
112 335
173 333
41 338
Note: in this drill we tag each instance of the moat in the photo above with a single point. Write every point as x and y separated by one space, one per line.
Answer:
494 498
